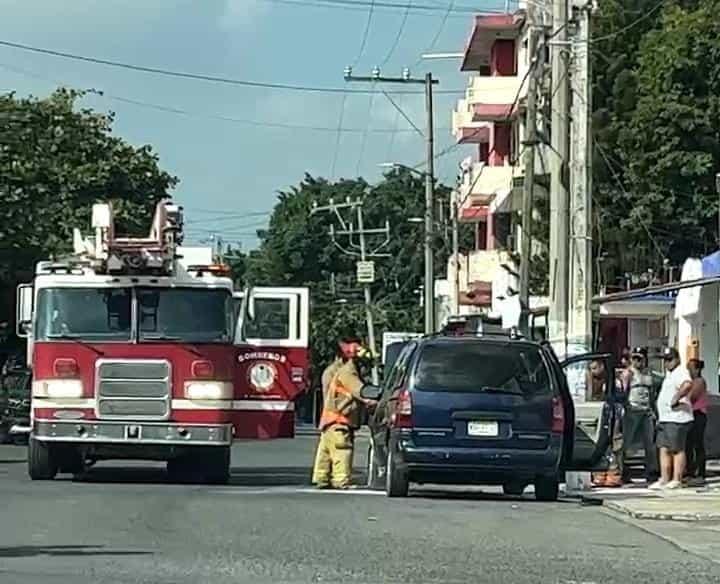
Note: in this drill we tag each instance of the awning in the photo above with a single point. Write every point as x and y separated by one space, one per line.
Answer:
493 112
478 135
488 28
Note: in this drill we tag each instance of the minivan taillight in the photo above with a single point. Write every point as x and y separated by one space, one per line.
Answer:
558 416
402 418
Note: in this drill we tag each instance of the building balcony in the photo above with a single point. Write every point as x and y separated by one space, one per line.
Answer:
494 99
465 130
488 29
484 189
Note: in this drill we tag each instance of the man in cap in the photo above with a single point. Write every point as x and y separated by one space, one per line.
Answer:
639 418
675 417
341 417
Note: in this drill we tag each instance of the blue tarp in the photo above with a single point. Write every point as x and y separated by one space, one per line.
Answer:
711 265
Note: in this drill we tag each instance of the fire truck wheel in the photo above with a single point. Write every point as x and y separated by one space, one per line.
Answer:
217 466
42 461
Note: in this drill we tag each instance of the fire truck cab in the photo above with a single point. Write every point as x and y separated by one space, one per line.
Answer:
137 354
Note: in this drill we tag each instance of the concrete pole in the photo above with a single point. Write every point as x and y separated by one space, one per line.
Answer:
429 289
368 297
530 143
455 210
580 322
559 233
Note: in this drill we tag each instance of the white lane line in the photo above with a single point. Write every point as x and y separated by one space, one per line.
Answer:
295 490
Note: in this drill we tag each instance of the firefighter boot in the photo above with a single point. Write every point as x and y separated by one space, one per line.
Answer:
598 479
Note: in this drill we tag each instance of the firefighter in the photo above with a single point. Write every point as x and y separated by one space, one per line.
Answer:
341 417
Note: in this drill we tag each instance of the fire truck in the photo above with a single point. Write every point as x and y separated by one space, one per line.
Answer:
141 349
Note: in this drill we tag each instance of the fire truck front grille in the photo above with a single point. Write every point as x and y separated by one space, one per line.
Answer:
133 389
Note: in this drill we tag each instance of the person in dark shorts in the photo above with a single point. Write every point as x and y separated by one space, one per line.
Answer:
675 418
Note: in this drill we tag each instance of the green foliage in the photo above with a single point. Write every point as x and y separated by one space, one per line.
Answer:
656 120
56 161
297 250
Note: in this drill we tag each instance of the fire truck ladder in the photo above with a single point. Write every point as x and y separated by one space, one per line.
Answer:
152 255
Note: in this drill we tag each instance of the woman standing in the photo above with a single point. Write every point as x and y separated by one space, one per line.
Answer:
695 449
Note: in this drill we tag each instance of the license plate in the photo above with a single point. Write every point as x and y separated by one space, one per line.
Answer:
482 428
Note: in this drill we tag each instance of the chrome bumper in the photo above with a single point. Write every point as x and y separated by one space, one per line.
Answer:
18 429
158 433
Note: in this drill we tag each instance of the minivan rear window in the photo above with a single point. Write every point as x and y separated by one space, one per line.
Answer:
482 367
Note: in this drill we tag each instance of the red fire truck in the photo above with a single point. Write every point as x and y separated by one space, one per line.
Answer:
140 351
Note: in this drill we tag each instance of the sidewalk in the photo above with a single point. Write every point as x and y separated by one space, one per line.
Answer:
639 502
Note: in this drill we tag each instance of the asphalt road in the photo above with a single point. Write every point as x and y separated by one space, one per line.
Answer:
126 524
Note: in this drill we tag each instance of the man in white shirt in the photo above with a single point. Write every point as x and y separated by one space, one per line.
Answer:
675 417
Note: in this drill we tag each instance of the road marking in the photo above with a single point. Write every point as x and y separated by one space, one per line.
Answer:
294 491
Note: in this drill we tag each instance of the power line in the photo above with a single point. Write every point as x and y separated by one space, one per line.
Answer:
188 75
360 4
202 115
398 36
440 29
630 26
363 143
366 33
615 176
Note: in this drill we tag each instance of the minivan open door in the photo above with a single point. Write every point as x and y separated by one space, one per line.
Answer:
590 380
272 337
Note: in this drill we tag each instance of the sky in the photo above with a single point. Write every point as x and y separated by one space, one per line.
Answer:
219 139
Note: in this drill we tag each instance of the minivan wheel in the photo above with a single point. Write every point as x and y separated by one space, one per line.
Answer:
547 488
515 488
396 480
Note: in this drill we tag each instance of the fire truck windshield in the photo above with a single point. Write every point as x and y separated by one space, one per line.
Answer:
198 315
195 315
91 314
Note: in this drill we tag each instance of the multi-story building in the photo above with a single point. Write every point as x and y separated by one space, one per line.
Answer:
491 118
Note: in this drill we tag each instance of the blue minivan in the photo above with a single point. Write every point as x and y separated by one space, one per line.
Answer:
481 409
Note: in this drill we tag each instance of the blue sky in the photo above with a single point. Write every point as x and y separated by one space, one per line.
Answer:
231 167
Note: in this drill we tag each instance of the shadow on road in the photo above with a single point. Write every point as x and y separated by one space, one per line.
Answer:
265 476
27 551
14 461
441 494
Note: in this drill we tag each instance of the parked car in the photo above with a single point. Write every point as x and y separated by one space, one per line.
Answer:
15 385
481 408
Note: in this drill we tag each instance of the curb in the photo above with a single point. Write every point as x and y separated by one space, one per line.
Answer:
660 516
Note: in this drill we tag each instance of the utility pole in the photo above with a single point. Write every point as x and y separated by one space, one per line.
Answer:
455 210
535 64
580 320
559 233
365 268
717 189
428 82
429 196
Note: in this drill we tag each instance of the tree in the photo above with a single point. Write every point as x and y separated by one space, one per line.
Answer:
56 161
297 250
671 142
655 132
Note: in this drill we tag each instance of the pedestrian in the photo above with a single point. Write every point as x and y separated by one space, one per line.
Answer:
597 391
639 417
695 450
341 415
675 417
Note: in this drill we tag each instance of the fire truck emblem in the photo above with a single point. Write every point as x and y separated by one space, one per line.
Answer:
262 376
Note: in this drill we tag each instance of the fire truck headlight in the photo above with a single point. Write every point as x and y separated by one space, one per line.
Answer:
57 388
208 390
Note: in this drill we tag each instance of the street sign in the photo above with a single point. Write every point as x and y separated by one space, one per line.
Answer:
366 272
